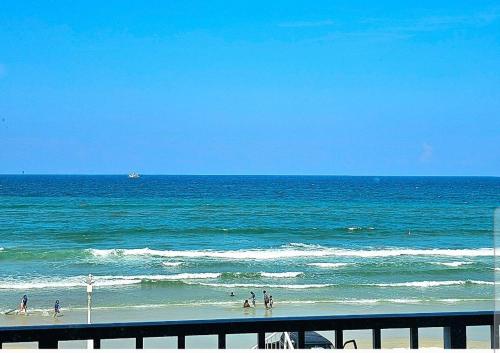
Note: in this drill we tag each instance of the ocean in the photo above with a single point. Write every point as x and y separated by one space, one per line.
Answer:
191 240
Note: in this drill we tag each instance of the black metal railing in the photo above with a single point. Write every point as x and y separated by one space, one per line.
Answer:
454 326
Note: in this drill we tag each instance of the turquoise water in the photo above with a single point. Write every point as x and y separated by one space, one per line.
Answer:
163 240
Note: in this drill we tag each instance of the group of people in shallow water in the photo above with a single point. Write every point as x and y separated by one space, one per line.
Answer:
23 307
268 300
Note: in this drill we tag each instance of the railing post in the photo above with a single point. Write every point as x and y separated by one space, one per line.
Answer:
301 338
377 341
181 342
97 343
261 340
414 337
48 344
455 337
222 341
339 339
139 343
494 336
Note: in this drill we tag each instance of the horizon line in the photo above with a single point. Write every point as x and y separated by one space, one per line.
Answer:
257 175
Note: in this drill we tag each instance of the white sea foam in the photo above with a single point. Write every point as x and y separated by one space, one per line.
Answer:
175 277
296 250
425 284
281 274
403 301
101 281
1 249
110 281
70 282
171 264
453 264
355 228
307 246
107 252
328 264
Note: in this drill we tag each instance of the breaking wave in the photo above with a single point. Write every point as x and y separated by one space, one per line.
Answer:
294 250
100 281
186 279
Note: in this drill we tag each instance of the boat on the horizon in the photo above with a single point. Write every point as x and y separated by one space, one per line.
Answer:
134 175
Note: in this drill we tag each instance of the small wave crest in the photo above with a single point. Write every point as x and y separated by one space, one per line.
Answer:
453 264
356 228
281 274
171 264
305 246
328 264
260 285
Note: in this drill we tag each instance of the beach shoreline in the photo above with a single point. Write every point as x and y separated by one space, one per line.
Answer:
478 337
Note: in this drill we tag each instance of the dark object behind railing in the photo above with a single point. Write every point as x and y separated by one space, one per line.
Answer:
454 329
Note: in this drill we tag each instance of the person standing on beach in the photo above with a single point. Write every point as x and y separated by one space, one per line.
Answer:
57 308
24 305
252 296
271 302
266 299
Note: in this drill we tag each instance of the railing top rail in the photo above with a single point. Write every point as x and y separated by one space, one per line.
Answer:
244 325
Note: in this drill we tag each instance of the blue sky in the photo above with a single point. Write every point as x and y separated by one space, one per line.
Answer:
256 87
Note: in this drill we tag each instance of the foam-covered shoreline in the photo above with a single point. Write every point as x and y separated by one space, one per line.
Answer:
280 303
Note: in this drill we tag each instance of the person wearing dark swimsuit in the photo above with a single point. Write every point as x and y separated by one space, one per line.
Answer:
57 308
24 305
